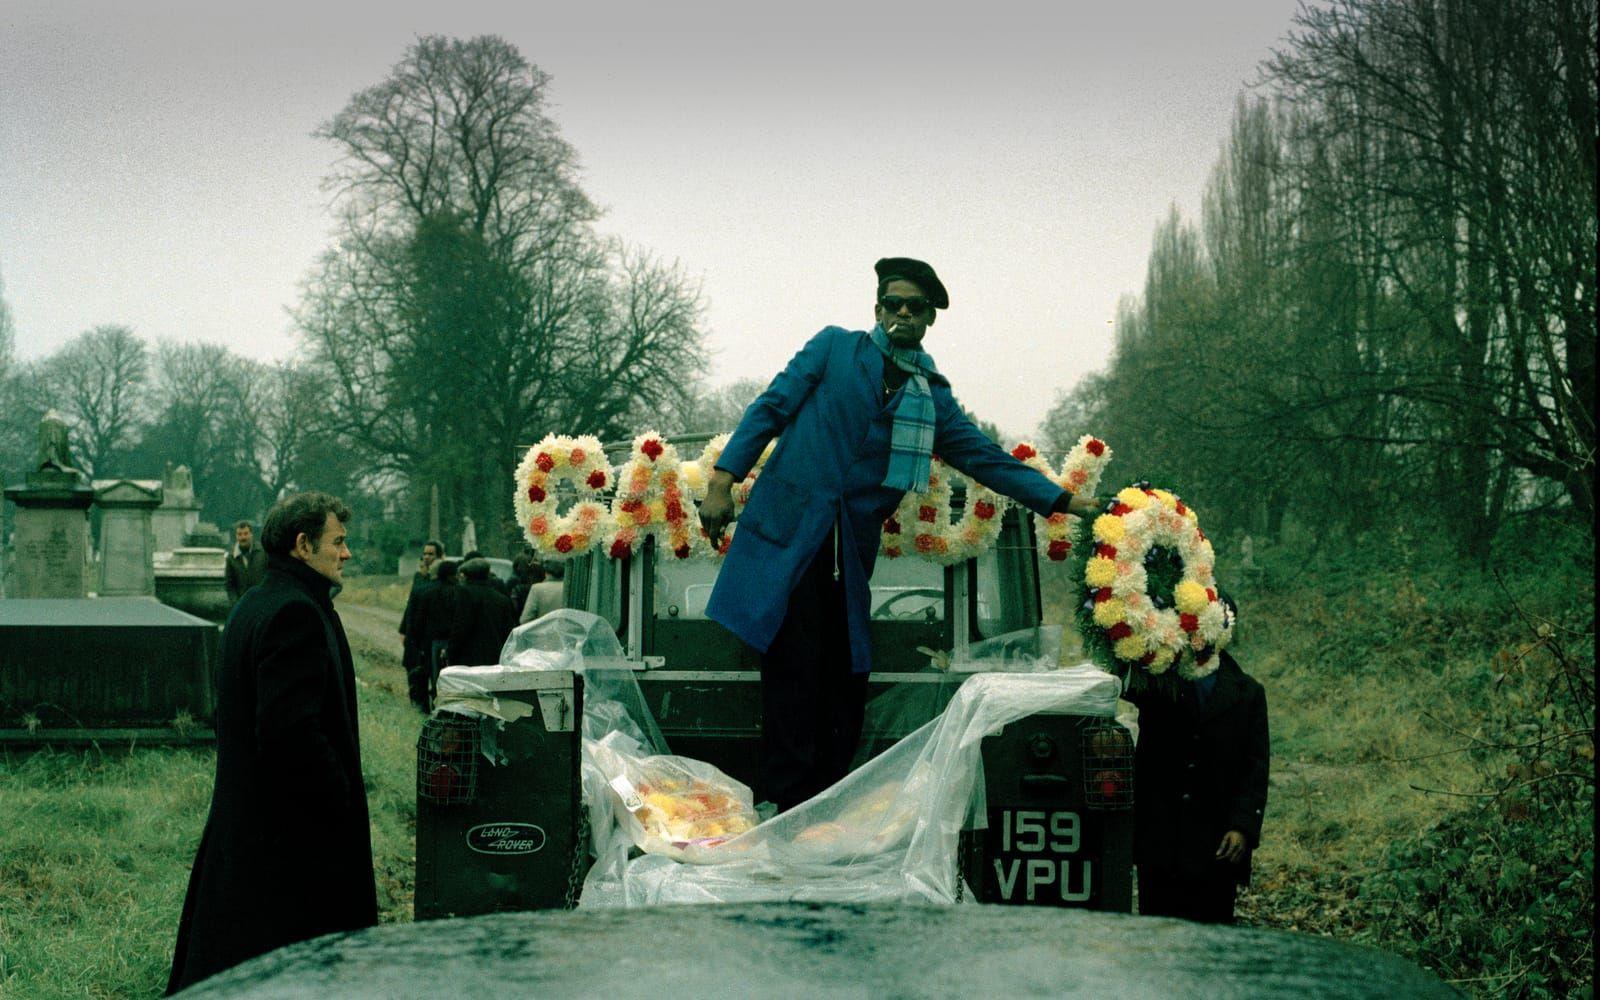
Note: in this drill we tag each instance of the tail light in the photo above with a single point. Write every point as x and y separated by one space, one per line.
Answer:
1107 767
447 760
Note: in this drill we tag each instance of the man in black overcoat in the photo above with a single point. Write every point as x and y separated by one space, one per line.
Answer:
1200 788
287 850
483 617
417 655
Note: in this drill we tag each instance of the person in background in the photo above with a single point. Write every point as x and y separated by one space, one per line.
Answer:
525 572
246 564
415 655
1200 780
432 622
546 595
287 850
482 619
494 581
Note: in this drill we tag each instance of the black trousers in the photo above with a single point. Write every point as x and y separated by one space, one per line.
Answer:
418 671
1168 894
812 705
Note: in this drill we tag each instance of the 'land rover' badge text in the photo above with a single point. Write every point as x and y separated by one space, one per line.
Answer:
506 838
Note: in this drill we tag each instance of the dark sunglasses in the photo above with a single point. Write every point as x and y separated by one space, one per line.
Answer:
894 303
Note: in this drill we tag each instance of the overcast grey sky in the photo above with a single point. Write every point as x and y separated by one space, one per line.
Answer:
157 167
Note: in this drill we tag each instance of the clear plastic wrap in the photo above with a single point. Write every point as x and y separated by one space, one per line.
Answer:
674 806
569 639
887 832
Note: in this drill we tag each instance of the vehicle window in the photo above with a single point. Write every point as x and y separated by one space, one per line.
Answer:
1005 590
907 589
682 587
902 590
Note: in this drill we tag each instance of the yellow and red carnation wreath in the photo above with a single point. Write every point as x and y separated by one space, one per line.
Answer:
650 500
579 461
1117 609
933 535
1079 475
698 473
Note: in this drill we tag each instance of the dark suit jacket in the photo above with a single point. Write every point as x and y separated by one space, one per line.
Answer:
421 583
480 622
243 570
1200 773
433 615
287 851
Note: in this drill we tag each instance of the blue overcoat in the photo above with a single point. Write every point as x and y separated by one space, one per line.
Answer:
827 410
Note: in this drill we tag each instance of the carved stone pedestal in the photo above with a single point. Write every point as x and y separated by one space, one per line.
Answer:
51 542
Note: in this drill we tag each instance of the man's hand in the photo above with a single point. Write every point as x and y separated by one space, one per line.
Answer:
1085 506
1078 506
716 510
1233 847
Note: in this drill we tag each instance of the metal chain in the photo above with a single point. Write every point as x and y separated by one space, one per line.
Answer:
580 854
961 871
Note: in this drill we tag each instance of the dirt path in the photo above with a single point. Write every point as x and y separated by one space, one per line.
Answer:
378 626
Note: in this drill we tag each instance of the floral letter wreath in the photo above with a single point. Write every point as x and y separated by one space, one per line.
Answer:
698 473
579 461
650 500
1145 531
1079 475
934 537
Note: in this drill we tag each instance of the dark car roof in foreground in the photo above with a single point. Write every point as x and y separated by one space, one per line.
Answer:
822 949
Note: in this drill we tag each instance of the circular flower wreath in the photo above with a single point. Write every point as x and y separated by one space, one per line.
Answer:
1079 475
579 461
650 501
934 536
1148 594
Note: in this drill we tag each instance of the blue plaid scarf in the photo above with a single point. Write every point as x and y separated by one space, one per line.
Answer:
911 440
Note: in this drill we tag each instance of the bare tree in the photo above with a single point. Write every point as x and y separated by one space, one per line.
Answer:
97 381
287 413
469 307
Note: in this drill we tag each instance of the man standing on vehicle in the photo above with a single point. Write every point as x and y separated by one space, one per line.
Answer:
858 417
287 850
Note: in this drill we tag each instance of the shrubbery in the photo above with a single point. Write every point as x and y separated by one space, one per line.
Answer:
1497 893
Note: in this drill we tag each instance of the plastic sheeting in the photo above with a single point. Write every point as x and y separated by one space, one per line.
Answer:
887 832
673 806
569 639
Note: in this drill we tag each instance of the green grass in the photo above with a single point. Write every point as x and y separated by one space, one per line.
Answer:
96 844
388 592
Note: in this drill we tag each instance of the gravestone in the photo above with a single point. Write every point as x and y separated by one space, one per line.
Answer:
194 579
1248 569
179 513
127 540
206 535
50 541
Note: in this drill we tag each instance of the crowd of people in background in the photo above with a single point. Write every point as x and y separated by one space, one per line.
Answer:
460 613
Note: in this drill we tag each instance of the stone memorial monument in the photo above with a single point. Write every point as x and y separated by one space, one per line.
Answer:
178 514
78 669
127 539
50 544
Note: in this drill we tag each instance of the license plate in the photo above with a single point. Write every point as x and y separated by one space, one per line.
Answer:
1045 857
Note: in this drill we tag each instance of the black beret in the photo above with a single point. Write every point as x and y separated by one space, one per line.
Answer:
918 273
